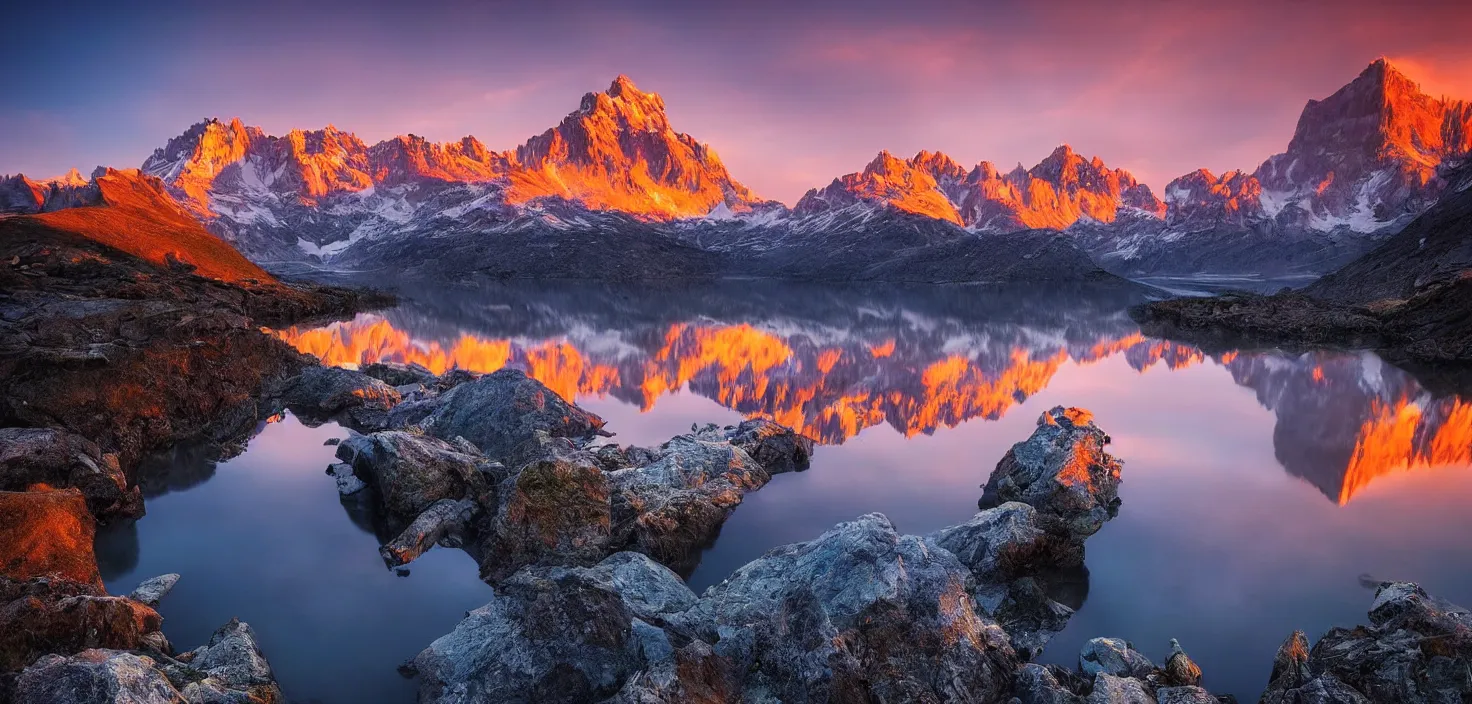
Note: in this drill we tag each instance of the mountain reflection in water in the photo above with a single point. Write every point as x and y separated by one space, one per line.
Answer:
834 362
1215 544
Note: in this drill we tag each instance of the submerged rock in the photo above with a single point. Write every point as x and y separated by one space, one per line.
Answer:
151 591
500 411
1063 471
47 533
30 456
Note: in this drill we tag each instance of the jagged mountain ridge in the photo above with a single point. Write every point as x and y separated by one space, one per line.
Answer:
1362 163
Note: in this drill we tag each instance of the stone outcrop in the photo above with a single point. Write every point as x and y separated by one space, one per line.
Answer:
30 456
409 471
859 613
353 398
1416 649
45 615
499 411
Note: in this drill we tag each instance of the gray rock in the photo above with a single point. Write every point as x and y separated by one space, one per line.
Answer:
151 591
500 411
1417 649
542 638
1113 656
859 612
1109 689
1063 471
233 659
1036 684
347 480
61 459
95 677
650 590
443 518
1185 694
672 507
776 447
357 400
996 544
410 471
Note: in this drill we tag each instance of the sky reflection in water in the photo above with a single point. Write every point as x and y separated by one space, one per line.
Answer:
1257 487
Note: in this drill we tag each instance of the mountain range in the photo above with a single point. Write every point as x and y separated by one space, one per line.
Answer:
613 191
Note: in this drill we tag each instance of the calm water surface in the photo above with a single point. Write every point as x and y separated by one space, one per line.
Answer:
1258 486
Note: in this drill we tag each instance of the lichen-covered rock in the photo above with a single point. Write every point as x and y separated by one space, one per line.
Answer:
153 590
500 411
996 544
357 400
95 677
555 508
411 471
859 613
1113 656
1063 471
47 533
56 458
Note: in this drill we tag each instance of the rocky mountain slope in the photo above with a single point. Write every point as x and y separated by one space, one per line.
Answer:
1410 297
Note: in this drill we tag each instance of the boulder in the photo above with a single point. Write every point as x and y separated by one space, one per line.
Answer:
48 615
998 544
232 663
500 411
443 519
355 399
1186 694
545 636
151 591
776 447
95 677
47 533
1180 669
1063 471
675 505
859 613
410 472
30 456
1036 684
1113 656
554 509
1109 689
